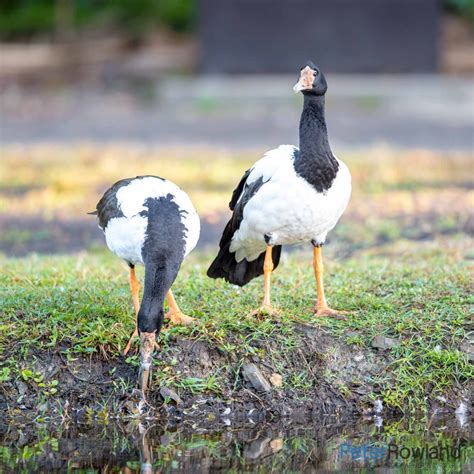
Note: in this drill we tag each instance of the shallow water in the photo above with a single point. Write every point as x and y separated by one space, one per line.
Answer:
438 446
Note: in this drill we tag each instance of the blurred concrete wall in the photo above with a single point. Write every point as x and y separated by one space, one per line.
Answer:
277 36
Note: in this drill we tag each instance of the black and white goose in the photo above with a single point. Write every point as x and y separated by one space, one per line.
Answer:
149 220
290 196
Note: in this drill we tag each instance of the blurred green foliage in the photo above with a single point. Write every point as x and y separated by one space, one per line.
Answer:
462 7
19 18
29 18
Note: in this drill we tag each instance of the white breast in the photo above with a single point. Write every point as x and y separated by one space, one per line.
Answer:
289 210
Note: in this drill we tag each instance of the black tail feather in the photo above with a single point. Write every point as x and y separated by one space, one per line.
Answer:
239 273
224 265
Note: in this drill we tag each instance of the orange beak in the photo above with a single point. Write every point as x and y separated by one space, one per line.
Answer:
306 80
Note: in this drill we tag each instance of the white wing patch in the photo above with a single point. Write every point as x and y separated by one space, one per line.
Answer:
274 162
125 236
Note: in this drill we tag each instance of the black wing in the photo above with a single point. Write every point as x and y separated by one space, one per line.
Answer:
107 208
238 190
224 265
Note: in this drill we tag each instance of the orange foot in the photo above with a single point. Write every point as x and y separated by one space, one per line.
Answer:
177 317
265 309
327 311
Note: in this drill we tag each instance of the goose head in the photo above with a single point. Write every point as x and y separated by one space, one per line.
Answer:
311 80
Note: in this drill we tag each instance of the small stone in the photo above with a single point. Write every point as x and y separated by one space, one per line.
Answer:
276 380
276 444
168 394
468 348
359 358
252 374
462 413
461 409
378 406
22 388
256 448
383 342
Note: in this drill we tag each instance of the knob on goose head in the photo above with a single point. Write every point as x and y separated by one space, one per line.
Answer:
311 80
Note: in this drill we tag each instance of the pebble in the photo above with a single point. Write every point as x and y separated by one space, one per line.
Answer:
468 348
167 393
252 374
276 380
383 342
276 444
378 406
22 388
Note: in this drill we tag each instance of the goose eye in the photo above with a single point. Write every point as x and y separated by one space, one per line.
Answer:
316 73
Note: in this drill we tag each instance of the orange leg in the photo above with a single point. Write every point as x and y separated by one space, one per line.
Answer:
322 308
267 272
134 288
175 315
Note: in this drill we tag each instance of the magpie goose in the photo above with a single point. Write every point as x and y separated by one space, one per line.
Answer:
150 221
290 196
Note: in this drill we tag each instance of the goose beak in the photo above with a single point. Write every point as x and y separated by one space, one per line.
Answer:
147 343
305 81
297 87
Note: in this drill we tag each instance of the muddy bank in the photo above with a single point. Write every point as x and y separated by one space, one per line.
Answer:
197 382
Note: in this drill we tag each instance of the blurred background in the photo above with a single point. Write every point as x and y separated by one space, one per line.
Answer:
93 91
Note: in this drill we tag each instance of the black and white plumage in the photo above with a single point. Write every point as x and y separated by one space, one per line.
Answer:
290 196
147 215
149 220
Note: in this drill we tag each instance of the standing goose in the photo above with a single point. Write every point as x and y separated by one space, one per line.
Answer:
290 196
150 221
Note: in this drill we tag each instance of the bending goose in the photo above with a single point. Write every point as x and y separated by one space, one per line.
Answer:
290 196
150 221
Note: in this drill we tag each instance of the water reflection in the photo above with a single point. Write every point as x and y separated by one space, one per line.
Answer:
435 446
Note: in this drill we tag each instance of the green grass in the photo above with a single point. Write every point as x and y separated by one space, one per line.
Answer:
398 261
415 292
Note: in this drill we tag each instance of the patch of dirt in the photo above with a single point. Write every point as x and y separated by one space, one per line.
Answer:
335 379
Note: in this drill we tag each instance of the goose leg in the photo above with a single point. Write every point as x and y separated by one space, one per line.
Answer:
175 315
322 308
267 272
134 288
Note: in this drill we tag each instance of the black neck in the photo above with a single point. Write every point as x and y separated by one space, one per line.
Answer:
314 142
159 276
315 161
